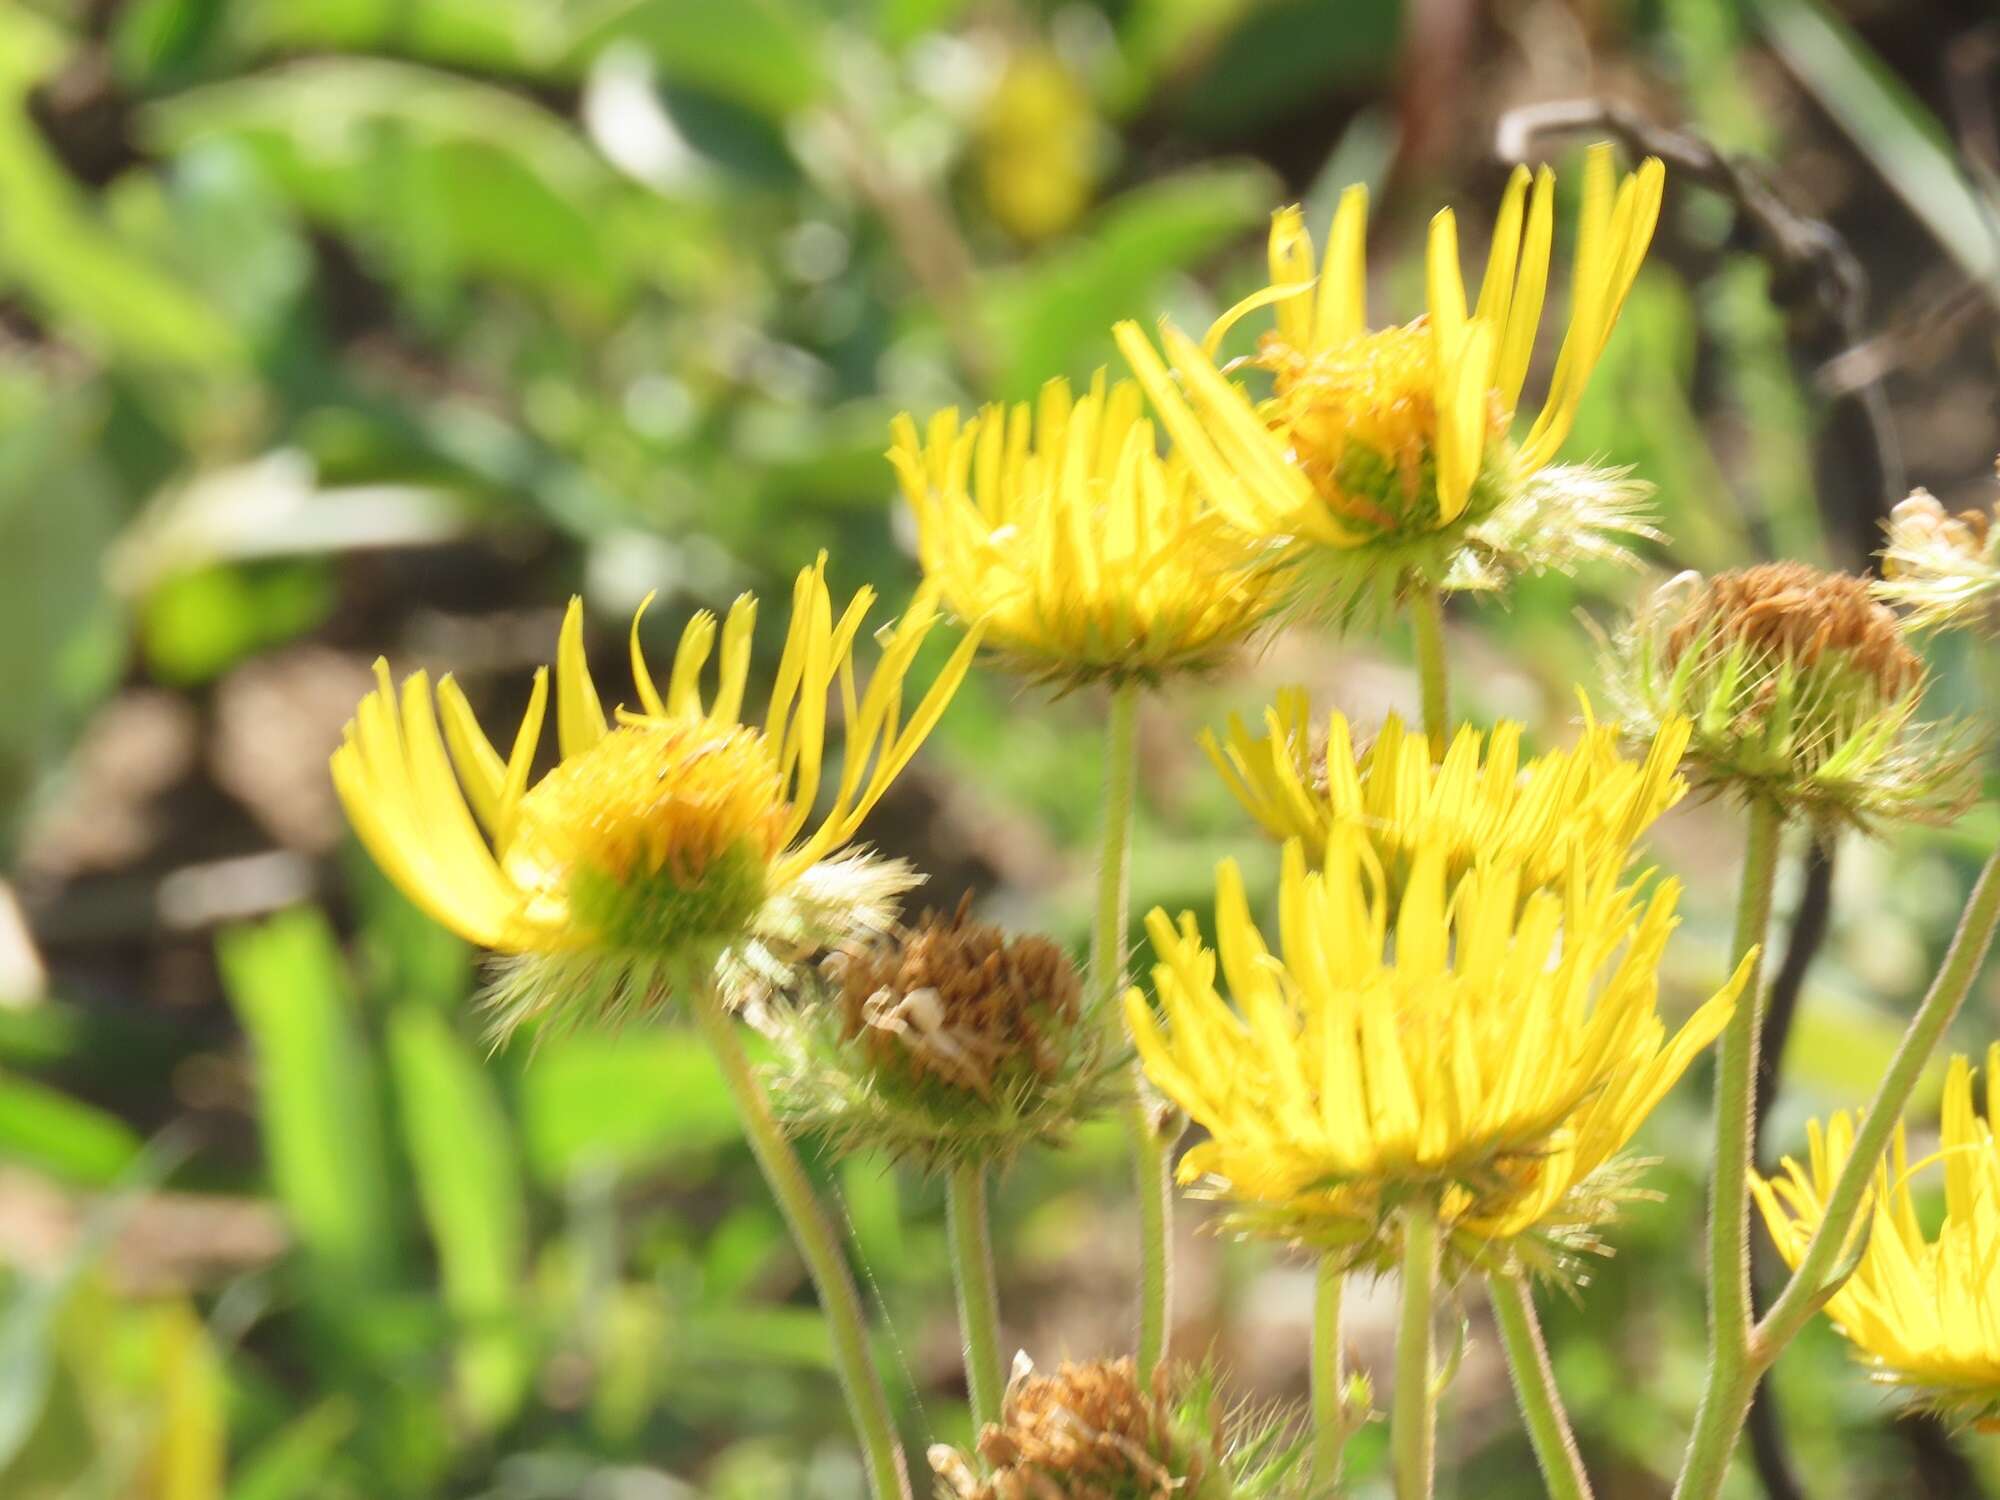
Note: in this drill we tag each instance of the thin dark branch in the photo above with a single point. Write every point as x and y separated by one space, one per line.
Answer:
1942 1469
1769 1452
1809 924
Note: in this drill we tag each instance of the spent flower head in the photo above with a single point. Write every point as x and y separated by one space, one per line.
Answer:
1392 447
1922 1310
671 841
1096 1431
1582 808
1489 1048
1802 692
1086 553
947 1042
1942 570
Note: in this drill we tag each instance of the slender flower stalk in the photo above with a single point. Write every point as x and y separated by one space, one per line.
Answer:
867 1402
1329 1378
1808 1286
1427 619
1121 755
1535 1388
972 1279
1725 1404
1107 976
1413 1419
1725 1397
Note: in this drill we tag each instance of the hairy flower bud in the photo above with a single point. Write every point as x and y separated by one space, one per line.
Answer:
947 1041
1802 690
961 1002
1096 1431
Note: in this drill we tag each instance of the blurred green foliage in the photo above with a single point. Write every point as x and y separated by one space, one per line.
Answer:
344 323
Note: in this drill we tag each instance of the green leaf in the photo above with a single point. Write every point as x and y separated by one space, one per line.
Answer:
502 35
621 1102
873 1205
63 634
470 1189
319 1101
292 1464
63 260
899 22
159 40
409 958
761 53
63 1136
437 175
29 1316
1054 315
1286 56
1890 125
746 1333
197 625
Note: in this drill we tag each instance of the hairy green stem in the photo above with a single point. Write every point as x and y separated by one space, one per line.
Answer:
813 1232
1107 976
1961 965
1413 1417
1535 1389
1726 1404
1427 619
1725 1396
1329 1374
972 1278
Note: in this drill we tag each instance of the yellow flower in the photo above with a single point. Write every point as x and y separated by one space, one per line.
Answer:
1086 553
1396 435
1579 808
671 831
1487 1047
1037 146
1922 1311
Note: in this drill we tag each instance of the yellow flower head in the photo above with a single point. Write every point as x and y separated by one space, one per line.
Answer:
1037 146
1922 1311
1579 808
671 830
1487 1047
1086 553
1396 435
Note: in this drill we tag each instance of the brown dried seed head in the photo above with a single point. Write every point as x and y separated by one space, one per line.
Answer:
956 1000
1801 614
1088 1432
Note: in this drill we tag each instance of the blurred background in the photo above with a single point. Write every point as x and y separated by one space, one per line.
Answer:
337 328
